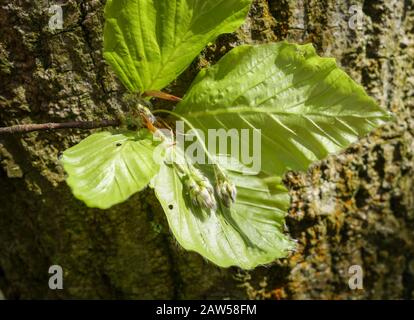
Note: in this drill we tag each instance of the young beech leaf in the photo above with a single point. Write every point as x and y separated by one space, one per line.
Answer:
150 42
246 234
305 106
107 168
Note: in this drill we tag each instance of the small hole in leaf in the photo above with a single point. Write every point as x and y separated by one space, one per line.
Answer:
170 207
119 144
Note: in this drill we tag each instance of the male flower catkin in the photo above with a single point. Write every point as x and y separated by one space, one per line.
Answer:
200 189
225 189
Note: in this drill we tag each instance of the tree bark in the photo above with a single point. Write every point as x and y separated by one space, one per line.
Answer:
355 208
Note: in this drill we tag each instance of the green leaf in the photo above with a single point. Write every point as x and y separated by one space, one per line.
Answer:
150 42
304 105
107 168
247 234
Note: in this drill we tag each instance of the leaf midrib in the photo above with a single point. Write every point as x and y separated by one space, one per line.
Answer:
254 110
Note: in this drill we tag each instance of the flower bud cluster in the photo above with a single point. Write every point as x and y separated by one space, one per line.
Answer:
200 190
225 189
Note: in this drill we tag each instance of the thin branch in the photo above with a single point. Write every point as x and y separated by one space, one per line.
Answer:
83 125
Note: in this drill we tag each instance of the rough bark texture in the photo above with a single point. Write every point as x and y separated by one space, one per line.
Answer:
353 208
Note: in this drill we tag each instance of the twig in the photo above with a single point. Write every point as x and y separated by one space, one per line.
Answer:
162 95
83 125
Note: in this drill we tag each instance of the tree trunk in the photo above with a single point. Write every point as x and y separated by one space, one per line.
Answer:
355 208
